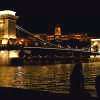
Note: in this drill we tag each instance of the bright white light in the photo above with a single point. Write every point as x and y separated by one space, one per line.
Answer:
7 12
95 39
4 41
13 54
2 52
19 67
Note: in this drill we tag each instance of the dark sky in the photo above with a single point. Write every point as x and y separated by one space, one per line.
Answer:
42 15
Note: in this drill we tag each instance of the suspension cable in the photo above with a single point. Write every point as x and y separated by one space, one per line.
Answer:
41 40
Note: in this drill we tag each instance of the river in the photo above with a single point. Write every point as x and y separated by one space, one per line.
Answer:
49 77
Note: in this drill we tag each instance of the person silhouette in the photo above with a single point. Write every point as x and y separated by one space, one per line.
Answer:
98 86
77 80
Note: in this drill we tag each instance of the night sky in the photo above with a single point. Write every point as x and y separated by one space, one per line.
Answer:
41 16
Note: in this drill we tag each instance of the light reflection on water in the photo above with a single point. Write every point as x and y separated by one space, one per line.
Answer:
54 78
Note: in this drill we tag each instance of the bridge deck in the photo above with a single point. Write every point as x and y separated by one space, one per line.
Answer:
44 49
64 50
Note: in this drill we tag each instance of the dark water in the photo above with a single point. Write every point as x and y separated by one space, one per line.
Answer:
53 78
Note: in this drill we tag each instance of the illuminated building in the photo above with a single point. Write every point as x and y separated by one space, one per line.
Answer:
95 47
67 40
57 30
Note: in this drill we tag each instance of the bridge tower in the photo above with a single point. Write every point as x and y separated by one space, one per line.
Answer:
7 26
57 30
57 34
7 31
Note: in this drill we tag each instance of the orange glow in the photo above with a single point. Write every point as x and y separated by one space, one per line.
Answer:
22 40
57 30
1 24
6 36
12 36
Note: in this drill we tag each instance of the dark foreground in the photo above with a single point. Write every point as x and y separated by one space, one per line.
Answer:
9 93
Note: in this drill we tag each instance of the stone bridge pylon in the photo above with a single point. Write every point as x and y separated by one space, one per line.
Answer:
7 26
7 31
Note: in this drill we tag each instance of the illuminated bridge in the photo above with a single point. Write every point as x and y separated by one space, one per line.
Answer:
12 45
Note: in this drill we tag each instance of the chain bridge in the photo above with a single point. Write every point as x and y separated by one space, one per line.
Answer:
25 44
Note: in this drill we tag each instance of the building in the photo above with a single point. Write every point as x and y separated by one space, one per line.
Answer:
74 40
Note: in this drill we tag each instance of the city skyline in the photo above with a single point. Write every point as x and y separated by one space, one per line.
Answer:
49 49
